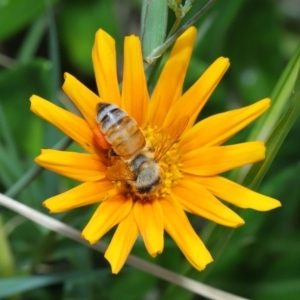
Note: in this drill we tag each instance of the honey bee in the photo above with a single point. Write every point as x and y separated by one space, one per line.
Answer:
134 162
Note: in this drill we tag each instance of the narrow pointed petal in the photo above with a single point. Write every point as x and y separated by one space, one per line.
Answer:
78 166
192 101
217 129
110 213
237 194
83 98
195 199
134 92
73 126
169 86
180 229
85 194
122 243
214 160
150 221
105 67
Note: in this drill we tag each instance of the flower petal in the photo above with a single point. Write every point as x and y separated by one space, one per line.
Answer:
83 98
73 126
134 92
78 166
214 160
122 243
169 85
105 67
217 129
192 101
180 229
85 194
237 194
109 213
196 199
150 221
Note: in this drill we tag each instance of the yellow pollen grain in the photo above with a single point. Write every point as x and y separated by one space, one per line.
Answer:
169 164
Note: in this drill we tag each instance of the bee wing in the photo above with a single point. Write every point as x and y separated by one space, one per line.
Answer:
119 172
169 136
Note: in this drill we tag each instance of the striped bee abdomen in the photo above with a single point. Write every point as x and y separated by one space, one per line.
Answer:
120 130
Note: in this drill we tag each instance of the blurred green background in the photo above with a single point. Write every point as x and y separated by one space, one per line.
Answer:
39 41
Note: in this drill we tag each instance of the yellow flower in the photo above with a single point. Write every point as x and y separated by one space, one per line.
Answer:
189 170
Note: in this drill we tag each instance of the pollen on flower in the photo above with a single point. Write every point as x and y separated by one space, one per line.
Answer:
169 163
170 170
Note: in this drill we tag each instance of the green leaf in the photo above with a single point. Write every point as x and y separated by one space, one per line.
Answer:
162 47
32 40
6 255
77 37
153 25
15 14
9 160
280 99
15 285
278 134
16 86
34 171
131 280
264 127
289 289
